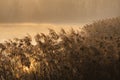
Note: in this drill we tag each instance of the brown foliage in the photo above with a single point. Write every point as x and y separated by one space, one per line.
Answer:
65 56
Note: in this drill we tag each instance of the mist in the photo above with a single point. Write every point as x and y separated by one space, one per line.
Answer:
57 11
19 17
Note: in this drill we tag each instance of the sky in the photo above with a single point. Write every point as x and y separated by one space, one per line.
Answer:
57 11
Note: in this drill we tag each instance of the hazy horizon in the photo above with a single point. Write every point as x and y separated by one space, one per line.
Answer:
57 11
19 17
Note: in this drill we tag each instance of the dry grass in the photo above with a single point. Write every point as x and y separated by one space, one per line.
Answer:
91 54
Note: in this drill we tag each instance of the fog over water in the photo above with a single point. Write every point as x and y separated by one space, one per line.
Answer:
10 31
19 17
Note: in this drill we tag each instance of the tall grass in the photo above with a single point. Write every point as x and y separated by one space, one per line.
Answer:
90 54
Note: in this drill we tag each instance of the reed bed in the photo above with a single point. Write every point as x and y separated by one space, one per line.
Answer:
92 53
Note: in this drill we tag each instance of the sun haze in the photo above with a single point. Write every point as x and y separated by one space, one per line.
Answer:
28 16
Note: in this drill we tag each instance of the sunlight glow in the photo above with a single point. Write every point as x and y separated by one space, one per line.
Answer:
31 68
25 69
